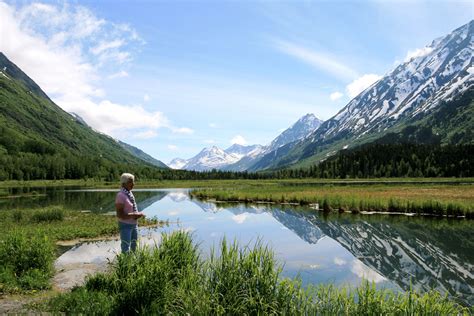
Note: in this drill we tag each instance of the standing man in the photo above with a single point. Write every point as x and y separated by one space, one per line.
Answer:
127 213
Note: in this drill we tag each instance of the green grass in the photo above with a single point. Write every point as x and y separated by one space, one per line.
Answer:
94 183
419 198
28 237
175 279
26 263
49 215
59 224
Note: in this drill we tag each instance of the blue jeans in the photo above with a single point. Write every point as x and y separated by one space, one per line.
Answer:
128 236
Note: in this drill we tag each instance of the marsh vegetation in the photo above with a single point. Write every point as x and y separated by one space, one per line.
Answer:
419 198
235 278
175 279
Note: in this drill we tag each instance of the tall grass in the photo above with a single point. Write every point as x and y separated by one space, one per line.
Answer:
337 199
62 224
174 279
48 215
26 262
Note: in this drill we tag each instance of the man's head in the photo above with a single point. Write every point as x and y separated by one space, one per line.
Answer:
127 180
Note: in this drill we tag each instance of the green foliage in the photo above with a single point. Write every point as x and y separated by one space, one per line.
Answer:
49 215
26 262
395 198
243 280
173 279
394 160
56 223
80 301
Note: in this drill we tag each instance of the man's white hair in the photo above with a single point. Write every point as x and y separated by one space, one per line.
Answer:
126 177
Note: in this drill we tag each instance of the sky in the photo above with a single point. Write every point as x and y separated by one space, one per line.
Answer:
173 77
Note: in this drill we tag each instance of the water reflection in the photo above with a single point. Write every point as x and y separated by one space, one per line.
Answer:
423 253
95 200
388 250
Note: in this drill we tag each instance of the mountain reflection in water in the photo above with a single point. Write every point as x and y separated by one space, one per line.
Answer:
424 253
393 251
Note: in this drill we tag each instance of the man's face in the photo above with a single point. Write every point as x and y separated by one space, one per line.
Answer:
130 185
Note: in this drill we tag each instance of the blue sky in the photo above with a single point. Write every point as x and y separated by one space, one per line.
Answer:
172 77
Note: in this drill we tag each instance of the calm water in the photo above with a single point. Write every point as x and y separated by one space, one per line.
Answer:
392 251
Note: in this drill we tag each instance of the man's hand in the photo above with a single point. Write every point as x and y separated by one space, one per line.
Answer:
136 215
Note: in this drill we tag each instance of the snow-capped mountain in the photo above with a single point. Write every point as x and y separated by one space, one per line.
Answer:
239 157
241 150
418 85
299 130
210 158
177 163
442 71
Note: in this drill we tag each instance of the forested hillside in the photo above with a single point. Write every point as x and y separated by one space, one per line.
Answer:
38 140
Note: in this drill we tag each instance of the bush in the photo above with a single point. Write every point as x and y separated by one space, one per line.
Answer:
26 262
53 214
82 301
17 215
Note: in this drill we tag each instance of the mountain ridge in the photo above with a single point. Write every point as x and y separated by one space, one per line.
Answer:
239 157
412 90
33 128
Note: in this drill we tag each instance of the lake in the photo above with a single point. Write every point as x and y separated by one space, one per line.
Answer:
395 252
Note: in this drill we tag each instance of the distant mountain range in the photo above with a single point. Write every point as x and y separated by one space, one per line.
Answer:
418 92
34 128
427 99
428 96
239 157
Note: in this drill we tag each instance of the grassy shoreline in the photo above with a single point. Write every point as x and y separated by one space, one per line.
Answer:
234 280
29 241
62 225
230 183
439 199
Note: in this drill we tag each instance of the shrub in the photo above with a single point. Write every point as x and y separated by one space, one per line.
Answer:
17 215
53 214
26 262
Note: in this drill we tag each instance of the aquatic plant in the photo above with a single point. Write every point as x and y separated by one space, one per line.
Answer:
364 198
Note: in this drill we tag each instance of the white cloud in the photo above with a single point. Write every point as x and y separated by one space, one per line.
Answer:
338 261
360 84
65 48
104 46
240 219
182 130
111 118
120 74
212 125
173 147
146 98
336 96
420 52
146 134
317 60
363 271
239 140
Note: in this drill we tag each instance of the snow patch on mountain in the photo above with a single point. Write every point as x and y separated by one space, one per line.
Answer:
177 163
434 74
299 130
